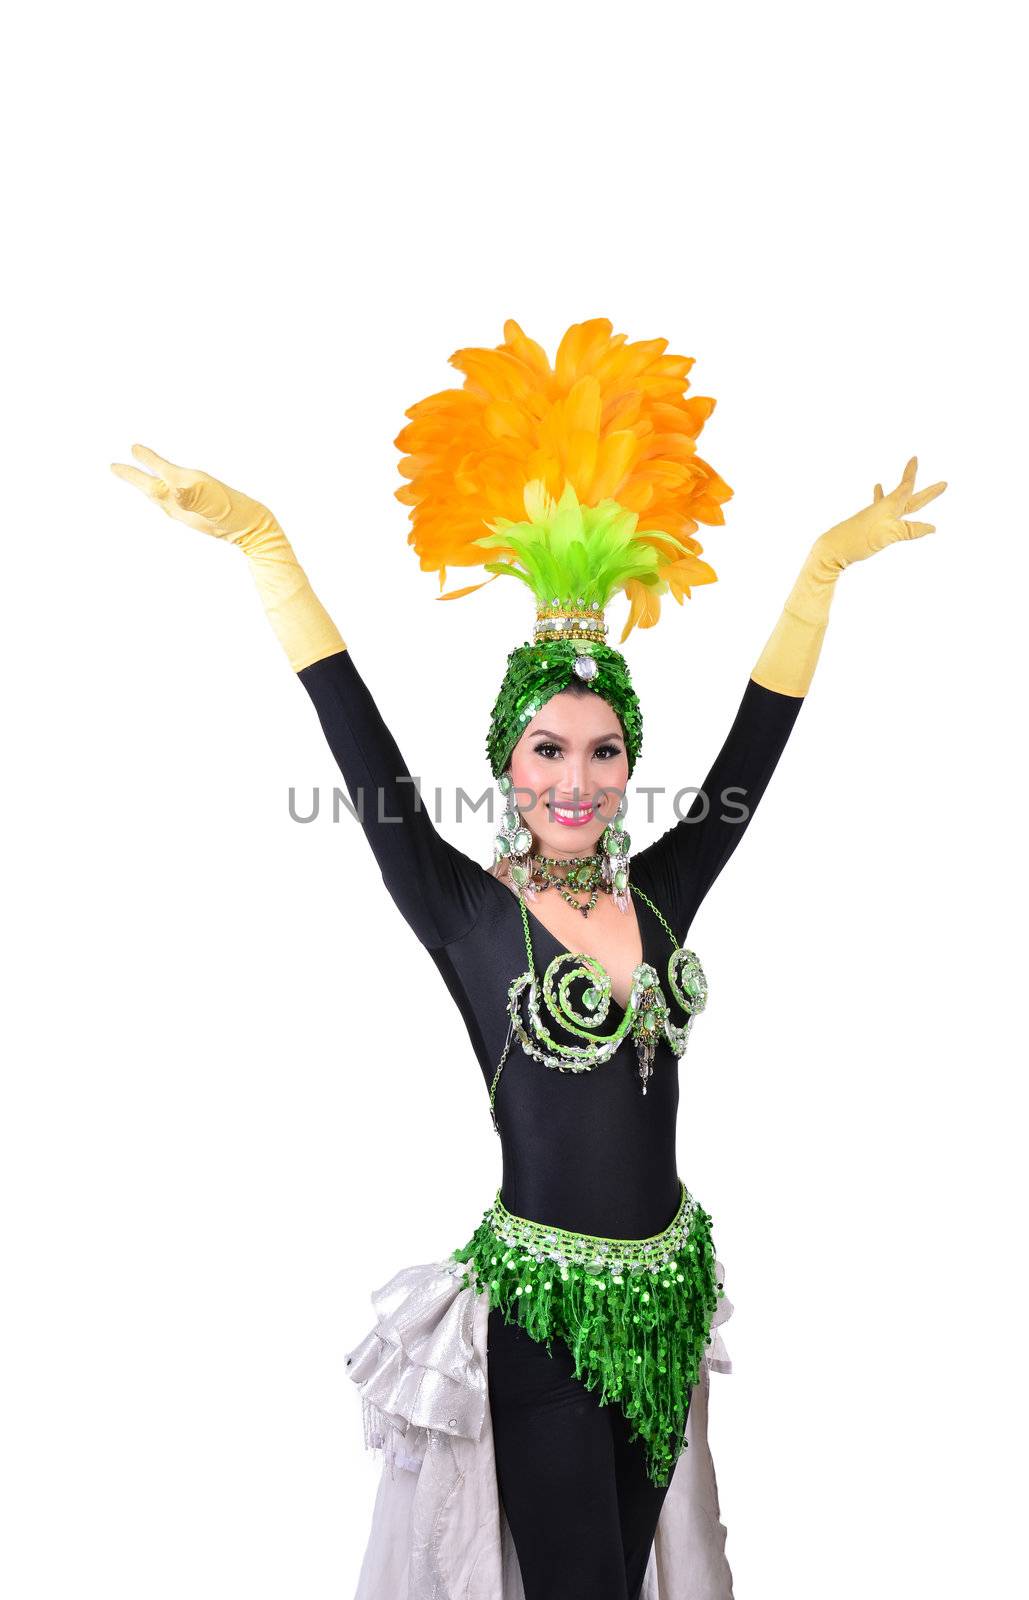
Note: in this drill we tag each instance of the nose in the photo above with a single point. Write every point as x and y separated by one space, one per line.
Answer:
574 778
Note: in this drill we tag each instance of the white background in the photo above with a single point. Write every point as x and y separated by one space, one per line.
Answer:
236 1096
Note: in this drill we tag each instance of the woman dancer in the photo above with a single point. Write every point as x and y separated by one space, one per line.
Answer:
540 1394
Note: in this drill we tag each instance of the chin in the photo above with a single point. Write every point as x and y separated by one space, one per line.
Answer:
577 841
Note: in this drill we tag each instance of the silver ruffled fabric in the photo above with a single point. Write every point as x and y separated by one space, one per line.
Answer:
438 1526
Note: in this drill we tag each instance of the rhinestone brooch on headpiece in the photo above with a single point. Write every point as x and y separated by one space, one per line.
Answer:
576 620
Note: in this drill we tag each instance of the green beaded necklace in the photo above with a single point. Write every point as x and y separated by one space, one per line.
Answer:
646 1018
580 872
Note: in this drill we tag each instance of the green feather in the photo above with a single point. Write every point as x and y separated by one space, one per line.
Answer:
567 550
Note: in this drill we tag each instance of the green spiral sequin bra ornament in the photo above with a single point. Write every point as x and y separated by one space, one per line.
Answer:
647 1019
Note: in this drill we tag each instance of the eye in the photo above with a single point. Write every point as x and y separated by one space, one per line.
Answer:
607 751
545 745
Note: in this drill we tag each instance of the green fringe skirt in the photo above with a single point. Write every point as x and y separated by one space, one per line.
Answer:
635 1313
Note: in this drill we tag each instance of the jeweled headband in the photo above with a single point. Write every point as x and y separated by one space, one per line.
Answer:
586 473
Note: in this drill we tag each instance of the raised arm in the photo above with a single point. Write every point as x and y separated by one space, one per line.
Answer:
437 888
685 861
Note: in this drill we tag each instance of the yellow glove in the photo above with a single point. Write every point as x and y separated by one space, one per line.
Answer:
788 661
304 627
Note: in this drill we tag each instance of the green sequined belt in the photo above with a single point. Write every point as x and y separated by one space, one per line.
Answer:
636 1314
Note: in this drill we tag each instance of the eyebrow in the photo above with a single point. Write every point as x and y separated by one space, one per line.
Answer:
602 738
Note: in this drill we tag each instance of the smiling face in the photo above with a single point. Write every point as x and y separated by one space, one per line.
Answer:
572 750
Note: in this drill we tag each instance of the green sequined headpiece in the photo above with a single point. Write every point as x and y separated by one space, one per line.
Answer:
537 671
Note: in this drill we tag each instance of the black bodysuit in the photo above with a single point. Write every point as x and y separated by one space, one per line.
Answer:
585 1151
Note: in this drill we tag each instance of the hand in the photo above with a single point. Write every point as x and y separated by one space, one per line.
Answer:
787 663
879 524
305 629
203 502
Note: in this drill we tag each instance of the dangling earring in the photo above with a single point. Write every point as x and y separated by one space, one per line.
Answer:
514 841
614 843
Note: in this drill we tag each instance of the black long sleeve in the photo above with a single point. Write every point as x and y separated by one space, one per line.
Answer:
438 889
685 861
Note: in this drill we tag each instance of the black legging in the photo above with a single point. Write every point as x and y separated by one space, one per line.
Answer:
581 1509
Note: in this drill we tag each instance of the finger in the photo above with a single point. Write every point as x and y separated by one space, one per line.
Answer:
906 484
915 530
155 488
923 496
164 469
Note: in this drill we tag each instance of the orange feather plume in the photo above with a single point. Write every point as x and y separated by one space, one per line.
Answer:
609 417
